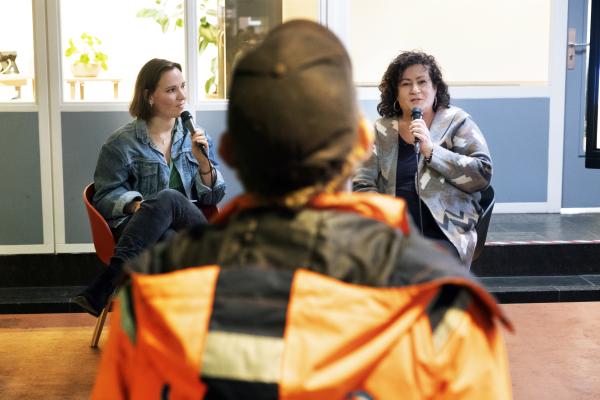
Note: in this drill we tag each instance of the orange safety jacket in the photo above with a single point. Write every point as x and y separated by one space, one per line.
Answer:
209 332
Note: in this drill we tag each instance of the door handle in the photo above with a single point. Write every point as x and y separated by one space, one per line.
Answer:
572 47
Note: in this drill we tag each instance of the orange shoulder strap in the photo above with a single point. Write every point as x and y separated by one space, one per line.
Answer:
383 208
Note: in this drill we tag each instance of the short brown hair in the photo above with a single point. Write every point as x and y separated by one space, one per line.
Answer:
146 83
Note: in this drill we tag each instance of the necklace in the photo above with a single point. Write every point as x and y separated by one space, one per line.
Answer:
162 139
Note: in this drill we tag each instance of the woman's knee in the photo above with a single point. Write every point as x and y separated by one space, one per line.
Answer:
170 196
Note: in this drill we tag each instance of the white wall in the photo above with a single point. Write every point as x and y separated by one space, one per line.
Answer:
475 41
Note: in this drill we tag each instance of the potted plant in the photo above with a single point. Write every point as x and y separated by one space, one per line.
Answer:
88 57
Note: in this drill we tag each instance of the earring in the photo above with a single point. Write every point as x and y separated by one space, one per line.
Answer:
151 103
434 103
396 106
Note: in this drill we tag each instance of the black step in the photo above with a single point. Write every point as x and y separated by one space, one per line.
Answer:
549 258
514 273
543 289
38 300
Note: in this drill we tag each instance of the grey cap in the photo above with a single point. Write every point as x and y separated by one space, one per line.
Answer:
292 109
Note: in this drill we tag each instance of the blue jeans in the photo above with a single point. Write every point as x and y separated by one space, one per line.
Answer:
157 219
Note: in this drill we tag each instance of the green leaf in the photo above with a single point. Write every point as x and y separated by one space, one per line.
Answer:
209 33
163 22
202 45
208 85
179 22
100 57
84 58
71 49
146 13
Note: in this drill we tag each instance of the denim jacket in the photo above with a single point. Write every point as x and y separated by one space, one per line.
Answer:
131 167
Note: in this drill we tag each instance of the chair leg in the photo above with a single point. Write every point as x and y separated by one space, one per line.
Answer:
99 325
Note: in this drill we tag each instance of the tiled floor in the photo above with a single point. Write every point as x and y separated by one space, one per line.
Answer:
47 356
511 227
554 353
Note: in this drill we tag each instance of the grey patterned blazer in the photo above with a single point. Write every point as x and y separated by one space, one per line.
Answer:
460 167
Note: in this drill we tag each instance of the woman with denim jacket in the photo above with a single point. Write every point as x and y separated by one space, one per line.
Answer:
149 174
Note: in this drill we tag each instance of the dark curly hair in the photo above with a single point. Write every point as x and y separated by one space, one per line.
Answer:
389 83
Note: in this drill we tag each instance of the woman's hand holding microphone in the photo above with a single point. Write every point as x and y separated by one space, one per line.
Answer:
418 128
199 143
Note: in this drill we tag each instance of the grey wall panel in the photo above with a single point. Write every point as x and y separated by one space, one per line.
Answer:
21 199
581 186
517 133
508 124
369 109
83 134
215 122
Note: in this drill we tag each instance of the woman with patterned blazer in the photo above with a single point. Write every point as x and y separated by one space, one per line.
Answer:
420 137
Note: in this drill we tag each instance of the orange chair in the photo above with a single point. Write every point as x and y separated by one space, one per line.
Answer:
209 211
104 243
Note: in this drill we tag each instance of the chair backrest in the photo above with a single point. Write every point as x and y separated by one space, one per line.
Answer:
104 241
209 211
487 204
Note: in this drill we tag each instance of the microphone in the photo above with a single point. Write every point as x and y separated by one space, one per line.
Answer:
416 113
188 123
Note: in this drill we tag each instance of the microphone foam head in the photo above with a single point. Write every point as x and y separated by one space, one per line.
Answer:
185 116
416 113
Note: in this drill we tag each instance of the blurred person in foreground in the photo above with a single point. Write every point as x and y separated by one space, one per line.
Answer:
301 290
420 136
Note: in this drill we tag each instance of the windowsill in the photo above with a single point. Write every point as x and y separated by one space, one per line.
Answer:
18 106
81 106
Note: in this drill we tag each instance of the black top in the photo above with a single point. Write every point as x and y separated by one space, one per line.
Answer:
406 169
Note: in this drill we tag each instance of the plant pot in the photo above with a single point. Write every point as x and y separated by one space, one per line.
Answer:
85 70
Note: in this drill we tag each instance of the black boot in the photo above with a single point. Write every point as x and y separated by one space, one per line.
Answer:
95 297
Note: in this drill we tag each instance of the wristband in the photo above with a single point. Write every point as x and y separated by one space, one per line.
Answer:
428 159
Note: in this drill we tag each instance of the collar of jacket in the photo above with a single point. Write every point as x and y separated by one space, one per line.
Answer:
383 208
440 125
141 131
